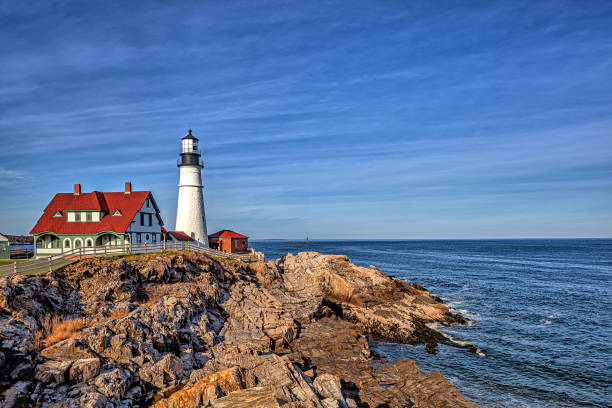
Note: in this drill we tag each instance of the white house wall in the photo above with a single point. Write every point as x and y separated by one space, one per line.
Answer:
145 230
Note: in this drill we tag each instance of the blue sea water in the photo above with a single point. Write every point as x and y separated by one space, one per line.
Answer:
539 312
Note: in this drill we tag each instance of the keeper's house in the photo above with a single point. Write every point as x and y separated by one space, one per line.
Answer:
73 220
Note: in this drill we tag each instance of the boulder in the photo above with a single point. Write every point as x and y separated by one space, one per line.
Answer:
256 397
113 383
328 386
209 388
84 369
52 371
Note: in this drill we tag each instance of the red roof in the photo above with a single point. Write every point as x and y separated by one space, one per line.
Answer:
178 235
226 234
127 204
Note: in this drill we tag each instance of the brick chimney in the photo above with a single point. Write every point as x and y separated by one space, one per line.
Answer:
77 189
128 187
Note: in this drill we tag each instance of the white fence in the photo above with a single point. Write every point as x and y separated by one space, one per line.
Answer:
53 261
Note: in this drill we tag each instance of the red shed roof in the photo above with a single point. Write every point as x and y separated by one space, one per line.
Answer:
178 235
127 204
226 234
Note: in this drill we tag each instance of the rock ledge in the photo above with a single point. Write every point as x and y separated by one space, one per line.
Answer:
182 329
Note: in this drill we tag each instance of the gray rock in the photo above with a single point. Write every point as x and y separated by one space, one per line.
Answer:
17 391
166 372
112 384
52 371
84 369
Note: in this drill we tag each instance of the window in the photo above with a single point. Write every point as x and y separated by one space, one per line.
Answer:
88 242
67 243
57 214
77 217
88 217
138 238
154 236
150 219
147 238
142 217
117 213
147 202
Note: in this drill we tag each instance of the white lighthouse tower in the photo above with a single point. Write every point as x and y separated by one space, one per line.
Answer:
190 216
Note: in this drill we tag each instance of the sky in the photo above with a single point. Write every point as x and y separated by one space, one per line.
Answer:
360 119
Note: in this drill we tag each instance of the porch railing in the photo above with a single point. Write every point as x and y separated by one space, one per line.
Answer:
52 262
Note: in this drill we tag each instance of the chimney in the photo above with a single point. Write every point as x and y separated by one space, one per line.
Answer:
77 189
128 187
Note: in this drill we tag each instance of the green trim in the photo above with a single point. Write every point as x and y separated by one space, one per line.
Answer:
120 236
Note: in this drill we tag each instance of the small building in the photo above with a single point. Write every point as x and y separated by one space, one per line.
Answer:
5 247
175 236
78 219
229 241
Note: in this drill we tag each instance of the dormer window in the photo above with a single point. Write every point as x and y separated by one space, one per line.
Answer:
57 214
117 213
77 217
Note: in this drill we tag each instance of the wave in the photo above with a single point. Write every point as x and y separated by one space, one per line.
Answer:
453 340
471 316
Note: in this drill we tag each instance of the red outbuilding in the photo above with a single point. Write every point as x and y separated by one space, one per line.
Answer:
229 241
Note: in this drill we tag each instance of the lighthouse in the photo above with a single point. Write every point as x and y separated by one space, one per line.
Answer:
190 216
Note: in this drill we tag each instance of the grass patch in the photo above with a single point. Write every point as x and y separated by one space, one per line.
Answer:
42 269
57 328
11 261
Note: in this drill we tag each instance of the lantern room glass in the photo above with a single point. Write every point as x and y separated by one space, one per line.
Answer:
190 146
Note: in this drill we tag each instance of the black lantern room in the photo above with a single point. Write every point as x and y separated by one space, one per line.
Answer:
190 153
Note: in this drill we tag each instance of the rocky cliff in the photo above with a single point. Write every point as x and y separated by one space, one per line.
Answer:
186 330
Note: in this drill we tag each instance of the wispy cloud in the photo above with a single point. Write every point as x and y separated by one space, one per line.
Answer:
335 120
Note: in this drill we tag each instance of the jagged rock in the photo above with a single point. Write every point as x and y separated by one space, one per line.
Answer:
184 329
166 372
84 369
114 383
209 388
69 349
328 386
256 397
52 371
17 392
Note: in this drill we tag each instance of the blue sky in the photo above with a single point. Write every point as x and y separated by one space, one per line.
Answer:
361 119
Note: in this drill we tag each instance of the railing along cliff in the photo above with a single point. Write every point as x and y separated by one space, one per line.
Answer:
54 261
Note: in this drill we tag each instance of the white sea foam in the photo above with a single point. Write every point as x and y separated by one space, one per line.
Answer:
456 340
545 321
467 314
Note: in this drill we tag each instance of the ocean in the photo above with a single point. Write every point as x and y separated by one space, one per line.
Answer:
539 312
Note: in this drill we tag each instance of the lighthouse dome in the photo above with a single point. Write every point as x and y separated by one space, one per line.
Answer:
190 136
